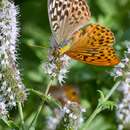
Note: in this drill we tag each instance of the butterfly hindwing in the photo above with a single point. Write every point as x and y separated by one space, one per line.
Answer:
66 16
95 56
93 45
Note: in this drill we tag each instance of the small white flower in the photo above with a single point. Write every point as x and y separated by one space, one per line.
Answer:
3 110
120 127
125 60
121 65
66 110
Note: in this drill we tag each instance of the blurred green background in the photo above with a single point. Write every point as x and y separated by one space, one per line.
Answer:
35 29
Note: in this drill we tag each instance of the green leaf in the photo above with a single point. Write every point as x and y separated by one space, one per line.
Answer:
102 97
110 105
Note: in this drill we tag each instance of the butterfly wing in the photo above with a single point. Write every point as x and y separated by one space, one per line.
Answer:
93 45
66 16
65 93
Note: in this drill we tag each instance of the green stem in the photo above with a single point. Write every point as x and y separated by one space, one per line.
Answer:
112 90
99 107
33 123
48 87
36 92
90 119
21 115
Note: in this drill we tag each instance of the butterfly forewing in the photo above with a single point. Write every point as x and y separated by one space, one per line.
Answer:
67 16
93 45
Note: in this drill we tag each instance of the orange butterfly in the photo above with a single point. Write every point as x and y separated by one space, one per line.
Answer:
65 93
91 44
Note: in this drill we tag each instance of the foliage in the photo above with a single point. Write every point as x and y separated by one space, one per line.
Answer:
35 30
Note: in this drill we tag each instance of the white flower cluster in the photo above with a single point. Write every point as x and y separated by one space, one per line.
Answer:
11 86
53 121
122 71
57 65
73 113
69 117
123 112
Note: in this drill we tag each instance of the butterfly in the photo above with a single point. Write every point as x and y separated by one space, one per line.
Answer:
92 44
65 93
